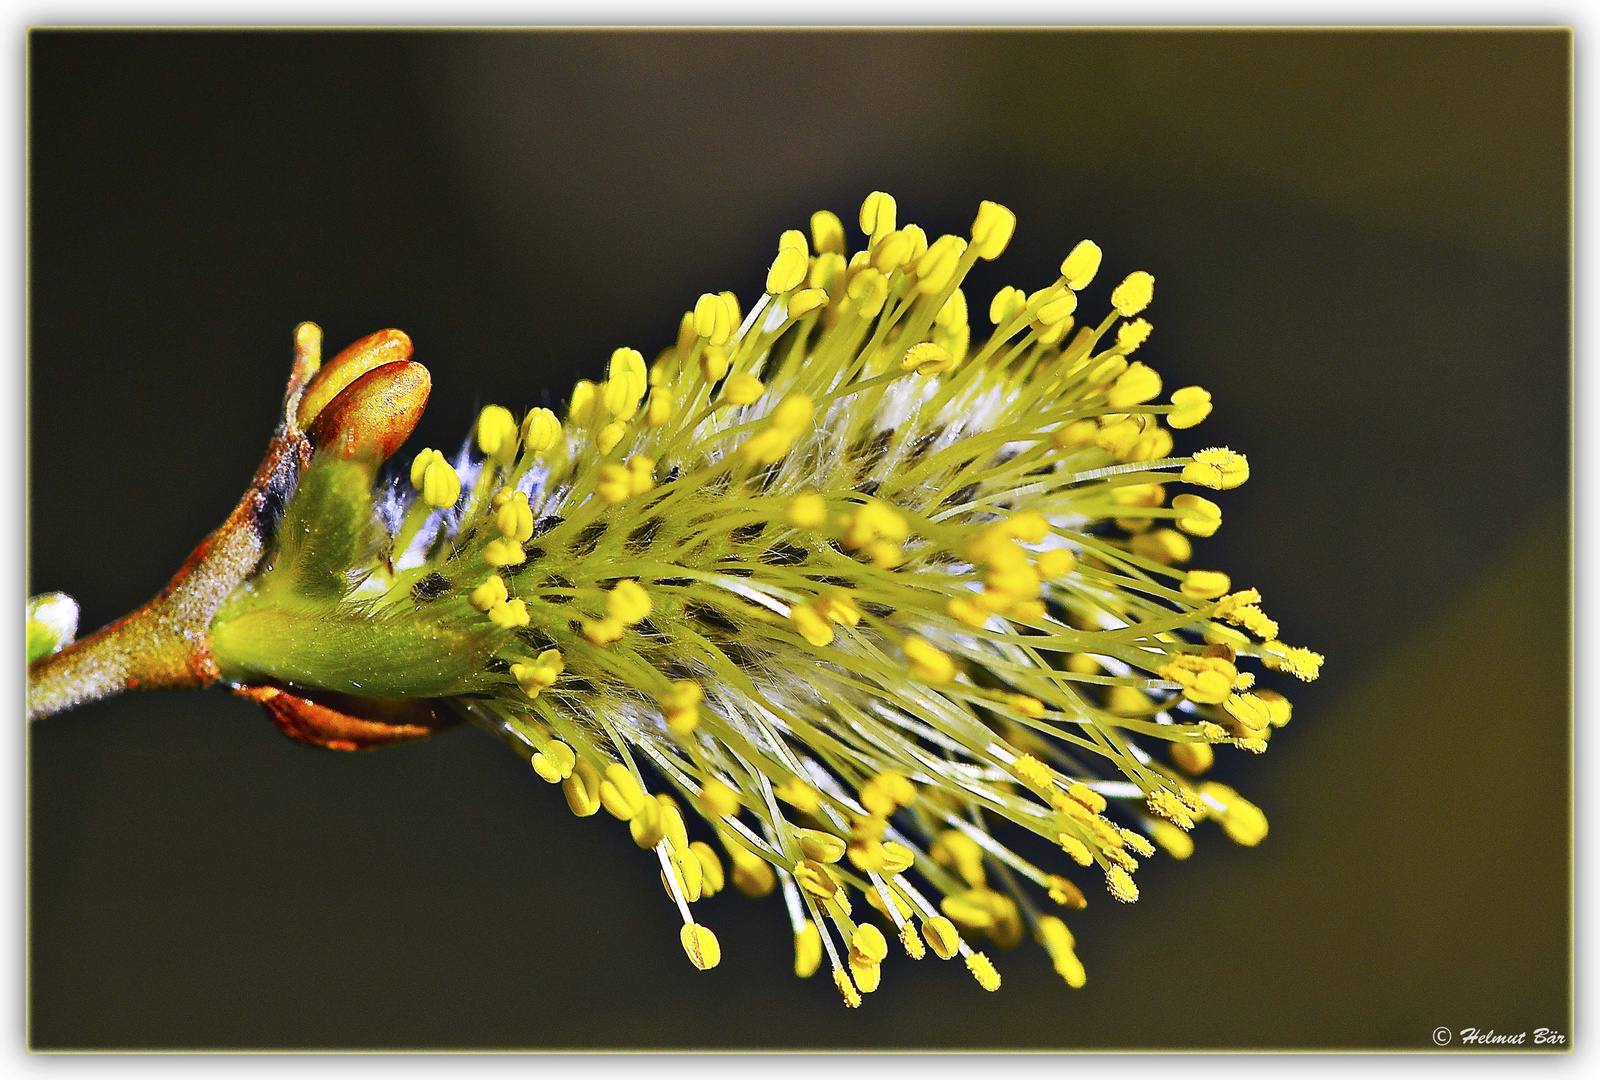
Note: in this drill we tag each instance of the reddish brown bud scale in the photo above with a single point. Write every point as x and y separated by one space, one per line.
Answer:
355 724
375 413
354 361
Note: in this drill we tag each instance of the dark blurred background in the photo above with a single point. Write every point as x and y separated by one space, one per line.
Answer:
1361 241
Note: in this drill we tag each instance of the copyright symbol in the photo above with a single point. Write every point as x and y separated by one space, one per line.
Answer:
1441 1035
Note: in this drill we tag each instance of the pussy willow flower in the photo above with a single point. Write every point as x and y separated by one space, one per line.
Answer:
827 600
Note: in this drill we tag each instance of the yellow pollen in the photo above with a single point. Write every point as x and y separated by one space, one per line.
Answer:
487 595
1031 770
852 996
982 969
1086 796
1303 664
1120 882
992 229
497 434
1218 468
1130 336
1207 680
911 943
1081 264
1134 294
1075 848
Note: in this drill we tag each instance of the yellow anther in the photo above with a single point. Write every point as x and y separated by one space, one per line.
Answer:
717 799
504 551
628 602
1241 819
1192 404
511 615
788 270
877 214
1255 620
1278 707
1134 386
540 430
893 251
742 389
852 996
712 319
701 945
969 910
794 238
1064 893
607 438
420 463
582 789
827 232
911 943
820 846
828 273
497 434
799 794
953 315
1086 796
680 707
814 878
711 876
811 626
615 484
1081 264
620 792
1200 517
713 363
869 289
1078 433
1218 468
538 676
1205 584
645 826
808 510
1027 705
1165 546
487 595
751 876
766 447
1134 294
1251 712
1193 758
957 851
942 936
514 518
1075 848
792 414
621 394
982 969
1131 335
1207 680
806 301
1055 564
641 474
1120 882
672 824
866 856
1229 605
807 950
1007 304
1138 842
867 945
901 791
926 358
1165 804
927 662
897 858
1057 308
1029 769
554 764
1173 840
968 610
937 266
992 229
441 486
687 871
837 608
1057 941
1303 664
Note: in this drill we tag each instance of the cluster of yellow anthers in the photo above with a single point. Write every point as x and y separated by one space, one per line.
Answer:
857 590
